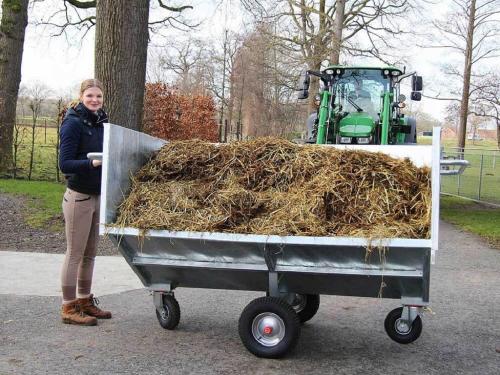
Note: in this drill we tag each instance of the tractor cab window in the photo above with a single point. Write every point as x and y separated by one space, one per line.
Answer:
360 90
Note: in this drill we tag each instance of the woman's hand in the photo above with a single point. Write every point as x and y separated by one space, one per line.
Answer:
96 163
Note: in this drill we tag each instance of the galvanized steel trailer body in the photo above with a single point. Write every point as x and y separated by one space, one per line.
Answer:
287 268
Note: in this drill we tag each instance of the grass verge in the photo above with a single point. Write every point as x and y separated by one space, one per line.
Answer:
43 201
473 217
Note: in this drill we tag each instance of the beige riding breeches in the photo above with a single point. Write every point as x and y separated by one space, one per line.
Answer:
81 216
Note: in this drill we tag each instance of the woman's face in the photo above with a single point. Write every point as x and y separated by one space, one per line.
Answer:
92 98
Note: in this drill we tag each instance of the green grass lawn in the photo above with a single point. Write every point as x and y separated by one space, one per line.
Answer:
485 144
473 217
44 201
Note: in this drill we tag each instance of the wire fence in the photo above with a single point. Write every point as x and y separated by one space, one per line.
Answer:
40 158
480 180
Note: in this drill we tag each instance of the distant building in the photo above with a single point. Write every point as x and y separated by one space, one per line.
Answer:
485 130
448 133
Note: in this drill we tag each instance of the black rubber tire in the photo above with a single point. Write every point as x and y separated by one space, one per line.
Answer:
411 138
173 313
279 307
402 338
310 309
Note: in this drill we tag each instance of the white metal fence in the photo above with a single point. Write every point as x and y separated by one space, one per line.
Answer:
480 181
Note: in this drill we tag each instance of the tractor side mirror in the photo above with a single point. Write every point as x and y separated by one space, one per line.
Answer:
303 94
303 85
417 83
417 96
304 81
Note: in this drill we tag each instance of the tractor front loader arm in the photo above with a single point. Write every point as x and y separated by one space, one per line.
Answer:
323 117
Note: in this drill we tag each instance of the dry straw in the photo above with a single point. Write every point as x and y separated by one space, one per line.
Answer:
272 186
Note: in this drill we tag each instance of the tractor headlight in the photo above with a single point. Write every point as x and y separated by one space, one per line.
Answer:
345 139
395 73
338 71
386 72
363 140
329 71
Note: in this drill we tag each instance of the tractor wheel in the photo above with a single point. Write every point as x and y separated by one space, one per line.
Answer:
411 138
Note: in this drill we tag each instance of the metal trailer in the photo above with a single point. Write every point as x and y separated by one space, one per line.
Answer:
293 271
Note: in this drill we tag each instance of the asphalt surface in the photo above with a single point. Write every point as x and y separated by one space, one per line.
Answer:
460 336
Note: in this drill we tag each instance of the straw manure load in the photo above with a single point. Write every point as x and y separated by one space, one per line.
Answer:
272 186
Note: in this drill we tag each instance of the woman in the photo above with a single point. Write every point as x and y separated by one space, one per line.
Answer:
81 133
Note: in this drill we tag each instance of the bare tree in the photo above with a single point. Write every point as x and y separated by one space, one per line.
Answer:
122 35
62 104
261 85
317 29
185 58
12 30
485 100
471 30
37 94
219 77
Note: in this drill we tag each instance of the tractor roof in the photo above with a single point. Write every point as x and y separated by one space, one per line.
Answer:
383 67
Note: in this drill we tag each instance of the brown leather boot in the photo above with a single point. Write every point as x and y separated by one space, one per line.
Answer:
71 313
89 307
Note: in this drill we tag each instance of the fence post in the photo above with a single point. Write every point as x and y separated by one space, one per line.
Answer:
45 141
480 178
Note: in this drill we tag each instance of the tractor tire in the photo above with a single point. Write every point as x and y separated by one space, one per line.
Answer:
312 128
411 138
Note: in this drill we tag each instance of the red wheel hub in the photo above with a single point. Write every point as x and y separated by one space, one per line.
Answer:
268 330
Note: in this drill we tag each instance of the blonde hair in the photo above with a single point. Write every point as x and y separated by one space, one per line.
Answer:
89 83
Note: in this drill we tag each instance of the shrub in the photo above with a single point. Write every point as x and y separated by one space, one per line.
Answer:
172 115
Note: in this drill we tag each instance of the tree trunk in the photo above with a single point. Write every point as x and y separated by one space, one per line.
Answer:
464 104
12 29
319 55
498 133
337 35
120 58
313 87
32 152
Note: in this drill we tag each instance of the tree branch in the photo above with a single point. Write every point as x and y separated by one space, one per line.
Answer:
82 4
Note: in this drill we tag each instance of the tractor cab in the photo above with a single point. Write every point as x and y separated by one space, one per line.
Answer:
361 105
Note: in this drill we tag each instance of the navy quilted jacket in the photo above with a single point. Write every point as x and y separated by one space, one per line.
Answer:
81 133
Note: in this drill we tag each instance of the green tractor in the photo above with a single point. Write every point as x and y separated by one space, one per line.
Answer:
360 105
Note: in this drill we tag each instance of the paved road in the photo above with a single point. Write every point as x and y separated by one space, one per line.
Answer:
461 336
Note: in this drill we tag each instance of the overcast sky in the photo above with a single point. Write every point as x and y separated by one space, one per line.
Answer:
61 64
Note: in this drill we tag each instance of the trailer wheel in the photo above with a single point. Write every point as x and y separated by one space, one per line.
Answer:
170 315
306 306
400 331
269 327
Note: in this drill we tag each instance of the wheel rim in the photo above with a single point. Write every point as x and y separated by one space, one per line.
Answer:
164 313
402 327
268 329
299 302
